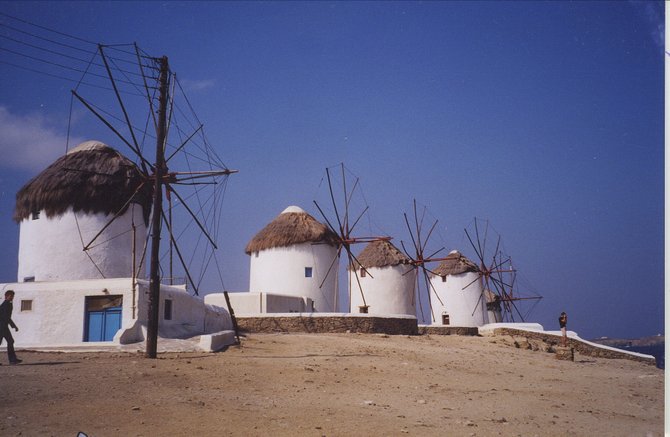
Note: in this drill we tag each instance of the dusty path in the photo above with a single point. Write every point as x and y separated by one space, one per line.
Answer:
332 385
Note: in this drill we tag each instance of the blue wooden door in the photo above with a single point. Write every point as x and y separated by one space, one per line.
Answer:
102 325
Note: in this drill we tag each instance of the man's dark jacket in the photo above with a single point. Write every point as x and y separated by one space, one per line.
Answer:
6 315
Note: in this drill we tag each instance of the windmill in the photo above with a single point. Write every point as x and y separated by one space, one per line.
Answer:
467 290
341 224
129 74
498 276
420 256
388 278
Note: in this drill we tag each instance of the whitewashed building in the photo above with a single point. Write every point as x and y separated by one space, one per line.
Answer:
295 255
384 281
493 307
96 199
458 294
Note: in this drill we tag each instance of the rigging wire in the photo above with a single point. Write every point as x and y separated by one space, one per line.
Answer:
210 151
67 35
201 213
46 39
55 76
47 29
64 55
76 70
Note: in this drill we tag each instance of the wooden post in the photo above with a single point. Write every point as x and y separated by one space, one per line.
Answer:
159 173
232 317
134 286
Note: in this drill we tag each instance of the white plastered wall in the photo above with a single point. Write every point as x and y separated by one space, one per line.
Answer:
387 290
58 308
462 299
51 249
191 315
282 271
494 316
58 311
259 303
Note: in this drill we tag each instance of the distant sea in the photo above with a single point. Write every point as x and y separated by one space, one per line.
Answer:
657 350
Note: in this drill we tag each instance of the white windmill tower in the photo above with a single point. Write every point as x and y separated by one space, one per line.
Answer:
293 255
387 277
74 200
458 298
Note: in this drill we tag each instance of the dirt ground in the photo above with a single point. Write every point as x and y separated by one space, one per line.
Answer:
332 385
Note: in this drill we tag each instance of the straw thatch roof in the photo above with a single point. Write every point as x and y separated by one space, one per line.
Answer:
293 226
381 253
91 178
455 264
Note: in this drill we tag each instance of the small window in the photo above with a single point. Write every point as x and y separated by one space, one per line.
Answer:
308 272
26 305
167 310
256 254
363 309
444 278
29 279
445 319
363 272
36 215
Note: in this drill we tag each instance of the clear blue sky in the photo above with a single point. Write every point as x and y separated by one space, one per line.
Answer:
546 118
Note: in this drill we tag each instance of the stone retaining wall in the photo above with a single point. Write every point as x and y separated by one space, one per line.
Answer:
448 330
580 347
334 324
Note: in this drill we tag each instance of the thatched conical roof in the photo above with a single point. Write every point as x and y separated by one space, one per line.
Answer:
381 253
455 264
292 226
91 178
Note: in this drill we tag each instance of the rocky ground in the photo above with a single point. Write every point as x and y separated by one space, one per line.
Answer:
332 385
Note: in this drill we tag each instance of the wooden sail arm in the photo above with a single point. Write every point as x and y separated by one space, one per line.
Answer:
502 271
421 260
144 162
177 176
120 100
511 299
354 240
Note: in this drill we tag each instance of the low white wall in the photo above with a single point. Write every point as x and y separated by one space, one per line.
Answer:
525 326
217 341
258 303
191 315
277 303
240 302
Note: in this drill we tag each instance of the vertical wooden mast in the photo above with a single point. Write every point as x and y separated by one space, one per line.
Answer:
159 173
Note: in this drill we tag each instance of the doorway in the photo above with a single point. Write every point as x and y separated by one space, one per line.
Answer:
103 317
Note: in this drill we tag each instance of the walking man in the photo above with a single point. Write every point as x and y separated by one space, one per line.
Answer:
5 322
